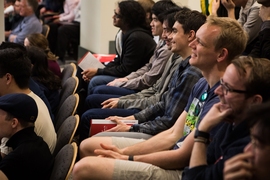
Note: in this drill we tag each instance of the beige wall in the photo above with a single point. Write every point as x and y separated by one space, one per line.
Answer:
2 29
96 26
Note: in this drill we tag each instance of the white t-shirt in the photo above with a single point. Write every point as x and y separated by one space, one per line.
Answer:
43 125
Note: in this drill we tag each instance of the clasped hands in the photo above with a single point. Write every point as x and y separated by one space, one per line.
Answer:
111 151
88 74
120 127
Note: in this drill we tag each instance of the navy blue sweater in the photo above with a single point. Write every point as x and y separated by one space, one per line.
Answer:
228 142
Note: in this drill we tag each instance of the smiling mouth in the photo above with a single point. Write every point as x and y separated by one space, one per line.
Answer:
193 54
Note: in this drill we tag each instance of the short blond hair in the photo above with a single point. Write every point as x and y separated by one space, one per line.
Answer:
232 36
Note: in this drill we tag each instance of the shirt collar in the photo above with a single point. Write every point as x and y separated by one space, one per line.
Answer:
185 62
20 137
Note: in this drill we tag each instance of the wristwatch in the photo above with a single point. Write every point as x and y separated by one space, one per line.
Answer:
201 136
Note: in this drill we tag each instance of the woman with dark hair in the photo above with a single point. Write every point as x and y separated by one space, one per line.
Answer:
48 82
40 41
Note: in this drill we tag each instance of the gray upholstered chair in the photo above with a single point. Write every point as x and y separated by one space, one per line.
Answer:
68 108
64 162
68 71
66 132
69 87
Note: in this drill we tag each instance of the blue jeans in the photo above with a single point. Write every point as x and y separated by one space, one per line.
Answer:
95 100
84 127
103 89
99 80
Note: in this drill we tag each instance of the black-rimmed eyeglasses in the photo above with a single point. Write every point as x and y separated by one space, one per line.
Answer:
226 89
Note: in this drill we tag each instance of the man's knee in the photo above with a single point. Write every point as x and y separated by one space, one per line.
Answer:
95 81
82 169
100 89
93 101
87 148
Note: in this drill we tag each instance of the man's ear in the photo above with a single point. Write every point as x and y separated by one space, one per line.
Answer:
14 122
8 78
223 54
191 35
257 99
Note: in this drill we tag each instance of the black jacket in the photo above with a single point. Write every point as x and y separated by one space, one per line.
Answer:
137 48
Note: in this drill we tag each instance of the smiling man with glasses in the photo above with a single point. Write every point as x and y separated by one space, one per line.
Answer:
245 83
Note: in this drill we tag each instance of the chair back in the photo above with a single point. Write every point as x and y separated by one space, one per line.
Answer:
68 108
69 87
64 162
66 132
68 71
45 30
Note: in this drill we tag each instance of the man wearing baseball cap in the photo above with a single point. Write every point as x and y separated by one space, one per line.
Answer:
30 156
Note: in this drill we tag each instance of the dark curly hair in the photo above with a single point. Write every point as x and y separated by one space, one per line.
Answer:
132 14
